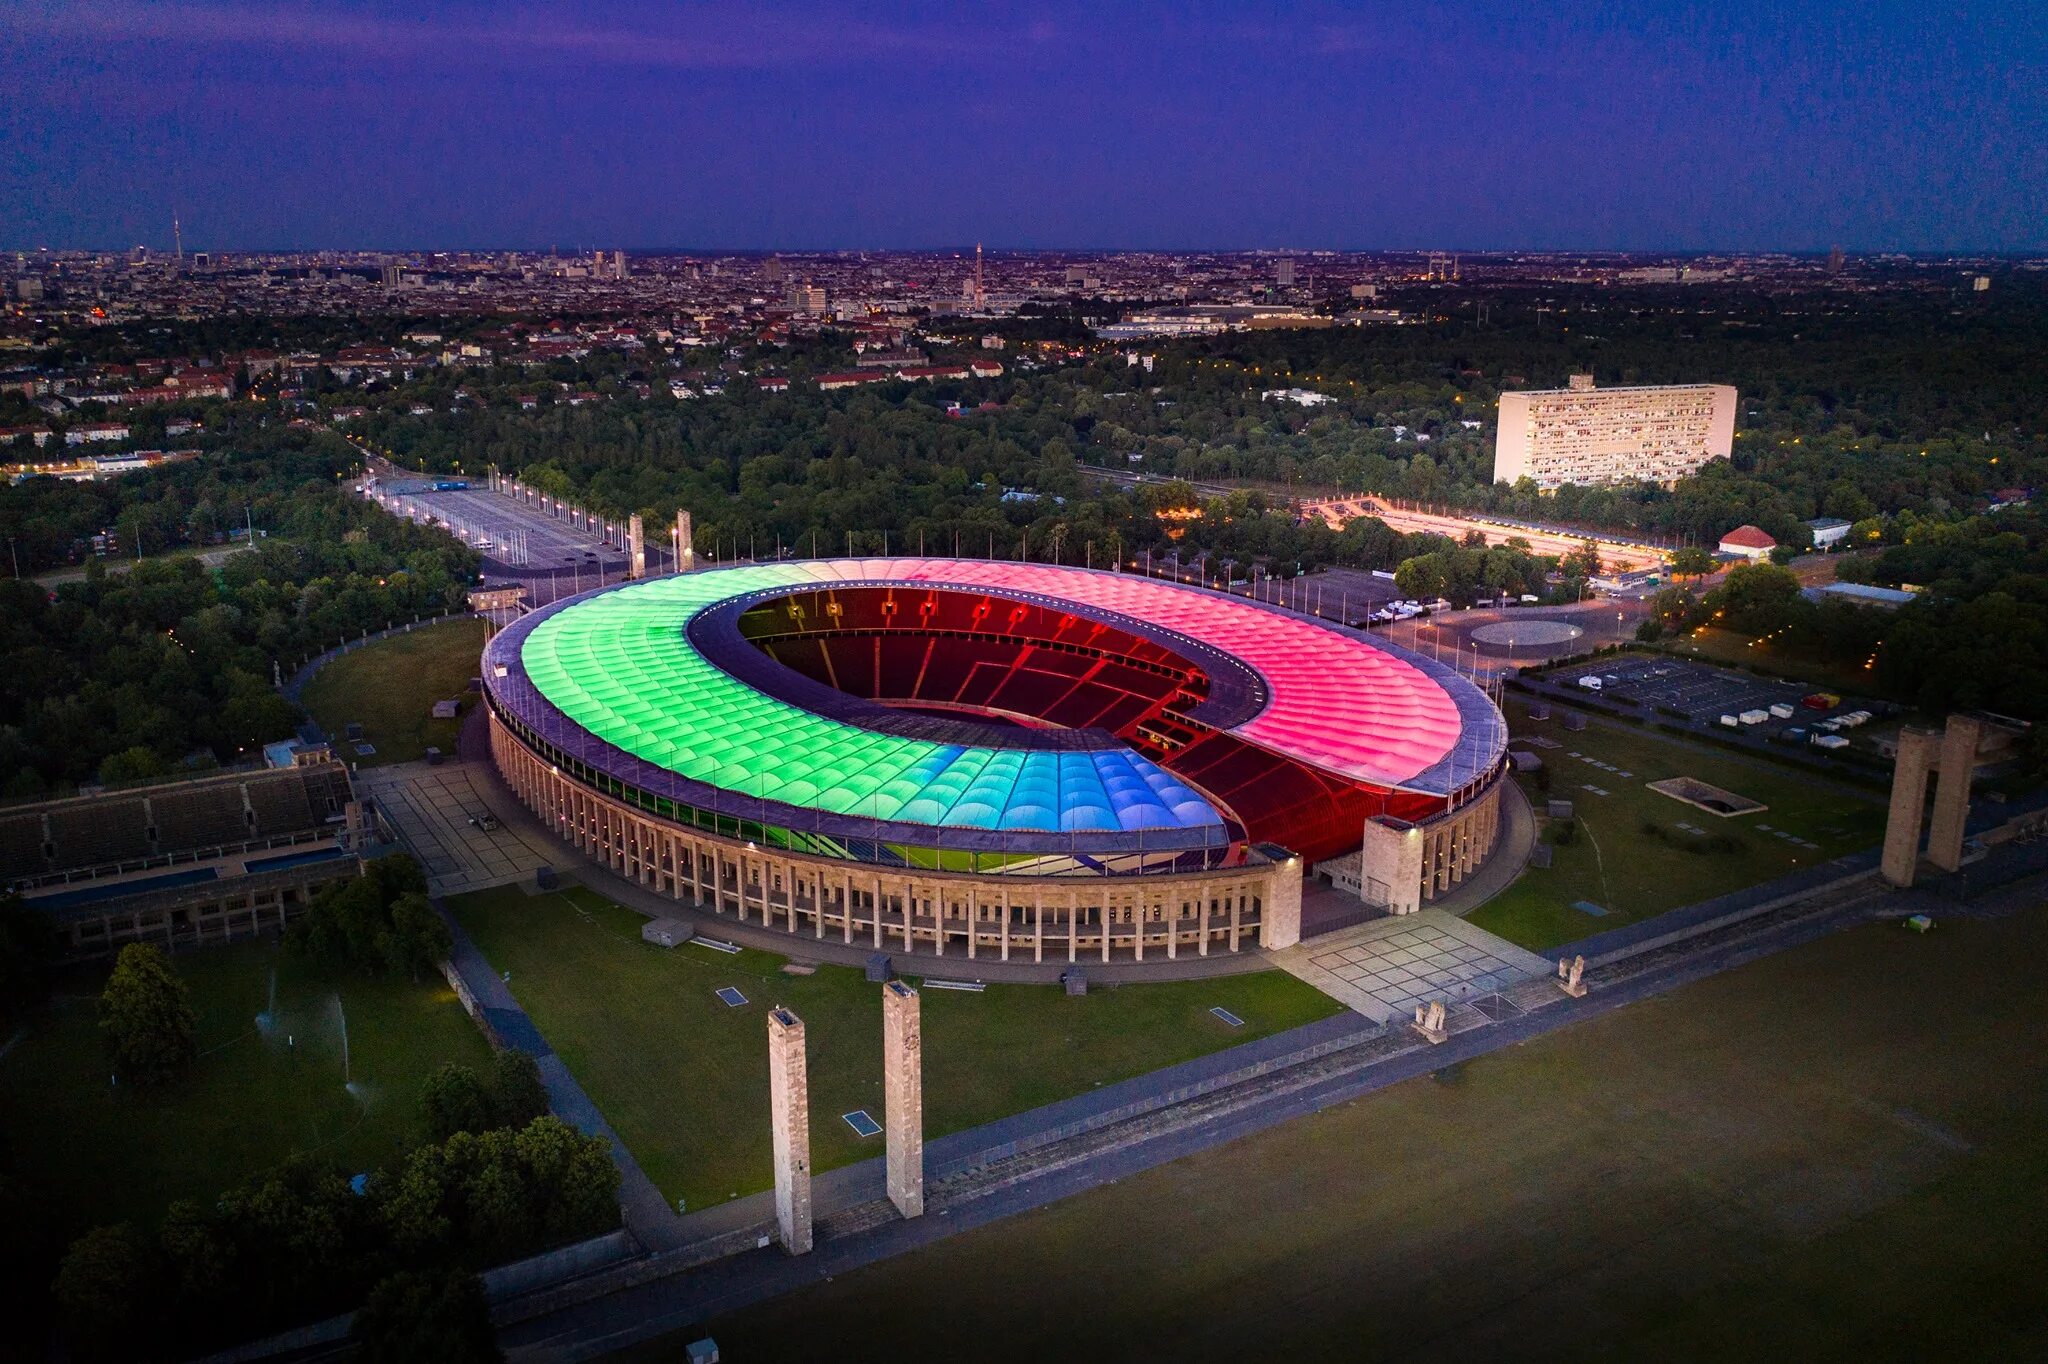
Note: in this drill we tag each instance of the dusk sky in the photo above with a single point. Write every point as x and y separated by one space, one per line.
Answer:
1643 125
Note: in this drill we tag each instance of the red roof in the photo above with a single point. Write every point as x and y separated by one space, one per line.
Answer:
1749 537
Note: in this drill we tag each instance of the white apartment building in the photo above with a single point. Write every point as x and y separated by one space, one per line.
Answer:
1586 435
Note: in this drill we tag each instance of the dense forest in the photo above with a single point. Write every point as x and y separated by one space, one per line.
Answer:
127 675
1852 405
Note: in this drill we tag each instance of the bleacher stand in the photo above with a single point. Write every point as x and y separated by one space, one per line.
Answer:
178 861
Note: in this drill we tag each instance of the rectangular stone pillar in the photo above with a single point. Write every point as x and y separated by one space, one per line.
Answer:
1909 804
903 1095
1280 918
686 552
1391 854
1952 791
636 547
789 1115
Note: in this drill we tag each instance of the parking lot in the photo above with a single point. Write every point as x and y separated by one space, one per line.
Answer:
1704 694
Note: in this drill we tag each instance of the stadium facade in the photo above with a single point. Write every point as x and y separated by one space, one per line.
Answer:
985 757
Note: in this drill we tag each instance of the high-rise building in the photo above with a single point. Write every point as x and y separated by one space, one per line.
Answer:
618 265
806 298
771 270
1834 260
972 295
1283 273
1588 436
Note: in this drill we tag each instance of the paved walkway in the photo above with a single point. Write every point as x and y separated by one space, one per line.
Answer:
646 1212
1383 969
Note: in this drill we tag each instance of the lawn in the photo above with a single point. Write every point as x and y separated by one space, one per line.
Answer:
1793 1160
104 1153
684 1079
1614 864
390 687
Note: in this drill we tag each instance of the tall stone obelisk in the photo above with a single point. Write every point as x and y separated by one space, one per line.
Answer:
686 550
903 1095
789 1109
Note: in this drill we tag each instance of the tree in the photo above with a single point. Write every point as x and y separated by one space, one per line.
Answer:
456 1099
146 1016
1691 562
379 923
104 1291
509 1094
516 1092
136 763
439 1315
418 940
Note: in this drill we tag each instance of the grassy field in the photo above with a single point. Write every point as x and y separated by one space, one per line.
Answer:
104 1153
1800 1159
684 1079
1614 864
390 687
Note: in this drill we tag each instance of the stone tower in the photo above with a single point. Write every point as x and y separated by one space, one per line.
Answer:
686 552
903 1095
789 1109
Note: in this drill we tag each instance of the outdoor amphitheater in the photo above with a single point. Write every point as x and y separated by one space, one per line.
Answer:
1019 761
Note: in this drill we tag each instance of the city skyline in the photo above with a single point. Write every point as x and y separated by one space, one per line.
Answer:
766 128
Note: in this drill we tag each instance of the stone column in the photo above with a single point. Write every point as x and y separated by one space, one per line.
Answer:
636 547
903 1095
1908 807
1952 791
1280 921
789 1114
686 553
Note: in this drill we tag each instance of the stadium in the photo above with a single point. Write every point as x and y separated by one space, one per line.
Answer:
989 758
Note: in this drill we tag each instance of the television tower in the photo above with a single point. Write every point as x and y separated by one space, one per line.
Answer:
178 238
980 294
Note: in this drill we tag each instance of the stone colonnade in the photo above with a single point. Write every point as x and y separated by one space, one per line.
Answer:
1101 918
1406 865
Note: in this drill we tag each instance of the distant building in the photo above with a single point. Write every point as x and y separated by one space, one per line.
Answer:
1828 531
1283 272
1859 594
806 298
96 431
1589 436
1981 284
1748 542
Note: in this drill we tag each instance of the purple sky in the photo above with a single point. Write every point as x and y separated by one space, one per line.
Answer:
1645 125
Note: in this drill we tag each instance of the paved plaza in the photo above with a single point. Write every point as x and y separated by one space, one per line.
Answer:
1383 969
432 806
